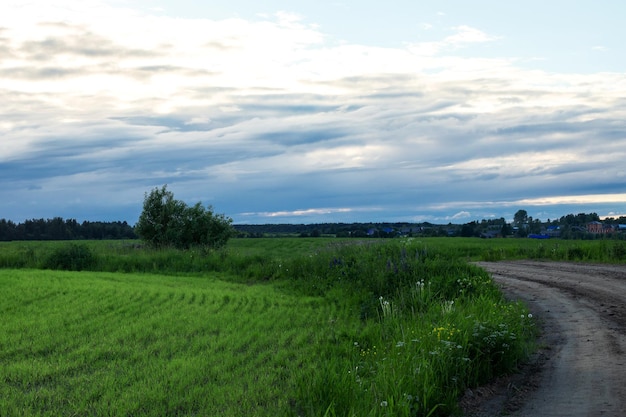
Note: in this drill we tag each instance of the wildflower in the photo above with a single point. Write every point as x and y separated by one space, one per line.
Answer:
530 316
384 403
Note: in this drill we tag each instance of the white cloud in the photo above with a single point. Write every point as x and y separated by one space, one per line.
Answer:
466 35
463 36
303 212
461 215
574 199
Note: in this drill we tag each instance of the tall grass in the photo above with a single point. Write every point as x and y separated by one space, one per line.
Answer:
431 327
337 328
260 257
603 251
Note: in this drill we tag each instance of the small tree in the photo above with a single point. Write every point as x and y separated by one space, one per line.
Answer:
167 222
520 218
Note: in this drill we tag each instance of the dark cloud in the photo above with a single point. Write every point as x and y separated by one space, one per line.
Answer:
267 109
170 123
78 41
92 47
40 73
294 138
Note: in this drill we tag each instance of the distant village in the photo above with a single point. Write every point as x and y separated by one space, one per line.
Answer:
579 226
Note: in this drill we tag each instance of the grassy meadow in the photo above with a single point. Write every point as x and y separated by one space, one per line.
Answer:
280 327
85 343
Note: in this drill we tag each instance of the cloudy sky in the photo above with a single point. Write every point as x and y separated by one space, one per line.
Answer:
303 112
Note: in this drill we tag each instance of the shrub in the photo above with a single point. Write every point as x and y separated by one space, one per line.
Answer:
71 257
619 251
167 222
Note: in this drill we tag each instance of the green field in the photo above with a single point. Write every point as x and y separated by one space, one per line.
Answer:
83 343
265 327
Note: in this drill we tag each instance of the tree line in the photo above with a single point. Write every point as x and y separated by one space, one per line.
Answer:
166 221
386 229
59 229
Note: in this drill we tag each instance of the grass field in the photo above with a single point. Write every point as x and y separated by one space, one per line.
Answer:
283 327
82 343
243 256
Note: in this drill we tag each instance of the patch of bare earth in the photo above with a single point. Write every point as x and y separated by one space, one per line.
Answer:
580 368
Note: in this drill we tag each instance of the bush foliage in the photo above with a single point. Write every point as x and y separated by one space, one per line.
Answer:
71 257
167 222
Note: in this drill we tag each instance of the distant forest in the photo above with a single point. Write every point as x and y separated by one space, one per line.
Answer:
59 229
567 227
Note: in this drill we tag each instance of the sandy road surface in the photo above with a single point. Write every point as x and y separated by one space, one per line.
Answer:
581 368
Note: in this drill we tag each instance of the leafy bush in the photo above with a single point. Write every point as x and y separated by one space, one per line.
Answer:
618 251
166 222
71 257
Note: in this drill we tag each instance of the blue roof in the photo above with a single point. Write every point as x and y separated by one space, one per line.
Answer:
537 236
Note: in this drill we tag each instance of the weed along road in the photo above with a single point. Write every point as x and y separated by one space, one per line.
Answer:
580 369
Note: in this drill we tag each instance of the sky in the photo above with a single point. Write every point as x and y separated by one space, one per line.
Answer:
313 112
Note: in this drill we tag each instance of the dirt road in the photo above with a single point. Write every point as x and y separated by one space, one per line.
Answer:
580 369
